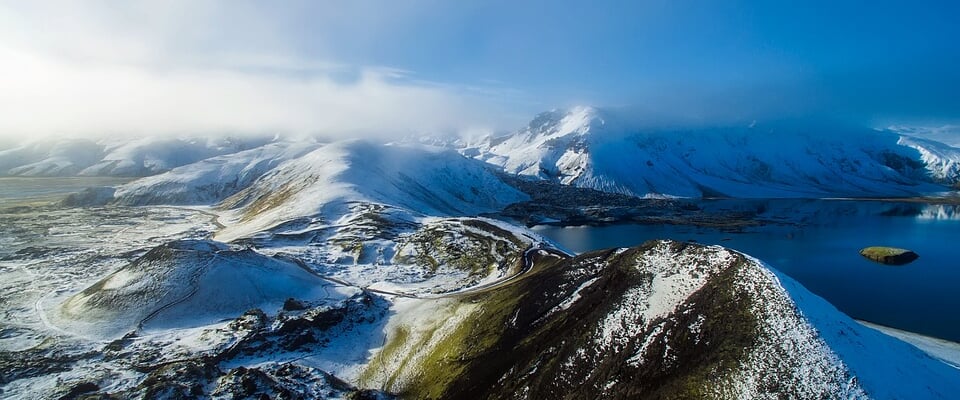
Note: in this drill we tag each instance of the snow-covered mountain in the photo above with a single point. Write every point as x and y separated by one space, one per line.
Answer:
946 134
583 146
661 320
212 179
594 148
131 157
285 181
44 158
326 181
942 161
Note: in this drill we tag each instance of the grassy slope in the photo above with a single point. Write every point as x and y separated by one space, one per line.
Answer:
503 343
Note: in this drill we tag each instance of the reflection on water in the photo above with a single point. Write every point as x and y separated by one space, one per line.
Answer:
817 242
940 211
816 211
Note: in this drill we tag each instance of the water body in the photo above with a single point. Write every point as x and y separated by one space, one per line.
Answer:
26 189
817 244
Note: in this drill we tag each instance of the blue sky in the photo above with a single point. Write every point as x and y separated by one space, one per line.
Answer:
357 66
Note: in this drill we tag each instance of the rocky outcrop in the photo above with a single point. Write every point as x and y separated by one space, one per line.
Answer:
889 255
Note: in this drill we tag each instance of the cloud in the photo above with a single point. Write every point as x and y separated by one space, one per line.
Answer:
45 96
92 75
103 67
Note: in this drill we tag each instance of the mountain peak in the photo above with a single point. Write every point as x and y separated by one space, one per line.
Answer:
561 122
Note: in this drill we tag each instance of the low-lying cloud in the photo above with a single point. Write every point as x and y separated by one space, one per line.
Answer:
43 95
107 68
183 67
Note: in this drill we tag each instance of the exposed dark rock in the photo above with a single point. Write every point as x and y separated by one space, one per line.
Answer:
35 362
321 318
286 381
252 320
79 389
178 380
292 304
118 344
554 204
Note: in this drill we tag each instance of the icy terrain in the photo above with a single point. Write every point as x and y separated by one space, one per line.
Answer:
594 148
324 182
188 283
114 156
213 179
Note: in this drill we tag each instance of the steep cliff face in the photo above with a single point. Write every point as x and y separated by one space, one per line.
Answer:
662 320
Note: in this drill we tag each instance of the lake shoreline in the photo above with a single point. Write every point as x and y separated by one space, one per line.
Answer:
941 349
690 212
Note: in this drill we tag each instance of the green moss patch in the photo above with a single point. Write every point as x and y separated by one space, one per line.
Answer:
889 255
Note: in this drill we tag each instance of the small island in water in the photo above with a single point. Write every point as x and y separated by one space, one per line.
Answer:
889 255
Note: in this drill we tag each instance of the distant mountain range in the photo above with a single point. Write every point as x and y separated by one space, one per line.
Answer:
593 148
584 146
121 157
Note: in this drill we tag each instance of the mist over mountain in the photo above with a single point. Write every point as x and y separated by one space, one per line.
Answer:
586 147
118 156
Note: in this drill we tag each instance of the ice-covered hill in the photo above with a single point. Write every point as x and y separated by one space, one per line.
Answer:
942 161
594 148
661 320
946 134
328 180
188 283
213 179
115 156
50 158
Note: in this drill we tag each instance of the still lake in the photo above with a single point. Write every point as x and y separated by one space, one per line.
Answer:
25 189
818 245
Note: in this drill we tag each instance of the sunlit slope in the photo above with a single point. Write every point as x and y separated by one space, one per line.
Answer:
326 181
598 149
662 320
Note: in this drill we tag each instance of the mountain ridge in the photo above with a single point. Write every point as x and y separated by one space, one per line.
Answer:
660 320
594 148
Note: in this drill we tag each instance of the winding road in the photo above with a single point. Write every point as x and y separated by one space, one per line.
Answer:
526 267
